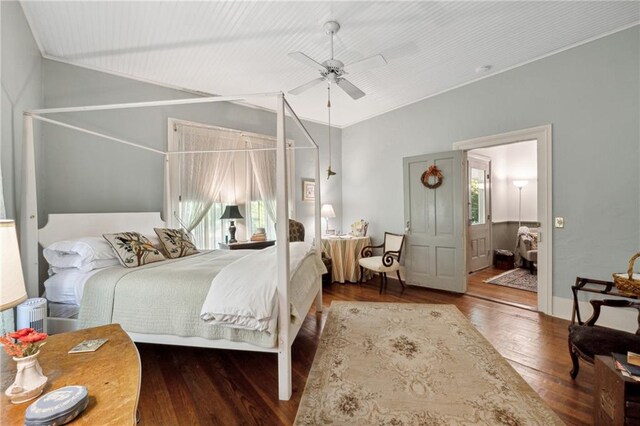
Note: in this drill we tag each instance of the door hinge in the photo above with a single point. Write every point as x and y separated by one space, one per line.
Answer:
488 217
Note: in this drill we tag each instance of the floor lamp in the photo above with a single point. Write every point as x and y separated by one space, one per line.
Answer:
520 184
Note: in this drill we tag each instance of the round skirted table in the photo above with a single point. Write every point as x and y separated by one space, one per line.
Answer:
345 253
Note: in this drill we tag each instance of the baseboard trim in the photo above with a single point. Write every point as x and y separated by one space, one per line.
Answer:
618 318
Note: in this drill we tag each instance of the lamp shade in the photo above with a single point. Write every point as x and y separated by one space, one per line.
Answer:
520 183
231 212
12 290
327 211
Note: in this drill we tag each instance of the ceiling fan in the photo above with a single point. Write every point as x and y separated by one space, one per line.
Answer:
333 70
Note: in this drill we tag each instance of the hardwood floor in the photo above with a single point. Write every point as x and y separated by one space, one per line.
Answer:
477 287
192 386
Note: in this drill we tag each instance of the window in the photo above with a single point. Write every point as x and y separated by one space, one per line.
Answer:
258 218
211 230
477 199
237 185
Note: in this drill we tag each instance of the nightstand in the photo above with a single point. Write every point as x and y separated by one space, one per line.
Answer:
246 245
616 398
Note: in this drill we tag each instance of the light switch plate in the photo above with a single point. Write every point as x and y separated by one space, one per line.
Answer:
559 222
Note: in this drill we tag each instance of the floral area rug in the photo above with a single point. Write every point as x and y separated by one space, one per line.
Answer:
413 364
519 278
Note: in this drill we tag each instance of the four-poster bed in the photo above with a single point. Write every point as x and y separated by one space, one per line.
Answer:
286 331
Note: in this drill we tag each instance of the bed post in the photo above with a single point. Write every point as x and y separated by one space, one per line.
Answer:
318 227
29 210
282 251
167 196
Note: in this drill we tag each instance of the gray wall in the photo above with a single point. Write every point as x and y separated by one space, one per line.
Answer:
591 96
21 77
81 173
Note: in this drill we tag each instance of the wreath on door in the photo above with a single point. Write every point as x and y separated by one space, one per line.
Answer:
432 171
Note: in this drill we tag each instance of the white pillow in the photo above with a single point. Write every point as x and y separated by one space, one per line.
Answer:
87 267
79 252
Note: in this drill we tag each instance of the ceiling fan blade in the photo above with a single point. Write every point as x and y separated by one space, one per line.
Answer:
301 57
351 90
367 63
306 86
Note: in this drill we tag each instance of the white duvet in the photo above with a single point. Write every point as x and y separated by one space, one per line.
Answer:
244 293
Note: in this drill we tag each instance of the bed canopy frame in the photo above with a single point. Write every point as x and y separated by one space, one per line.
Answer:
286 330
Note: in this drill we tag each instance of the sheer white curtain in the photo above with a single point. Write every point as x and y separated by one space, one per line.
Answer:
263 164
202 175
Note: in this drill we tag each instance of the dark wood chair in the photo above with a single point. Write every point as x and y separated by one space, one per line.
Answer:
388 262
586 339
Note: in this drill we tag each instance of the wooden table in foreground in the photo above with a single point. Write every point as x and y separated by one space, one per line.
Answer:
111 375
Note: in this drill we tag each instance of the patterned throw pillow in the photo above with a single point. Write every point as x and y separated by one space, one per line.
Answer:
176 242
133 249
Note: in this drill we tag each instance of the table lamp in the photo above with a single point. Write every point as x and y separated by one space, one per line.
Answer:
327 212
231 212
12 290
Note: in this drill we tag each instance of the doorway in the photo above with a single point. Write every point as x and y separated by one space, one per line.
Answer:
540 191
503 224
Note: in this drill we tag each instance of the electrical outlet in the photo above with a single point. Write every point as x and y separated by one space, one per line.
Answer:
559 222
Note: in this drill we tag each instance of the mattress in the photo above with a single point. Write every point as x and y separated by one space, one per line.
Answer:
166 297
67 286
63 310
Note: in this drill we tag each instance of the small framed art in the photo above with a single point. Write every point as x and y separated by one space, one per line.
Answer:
308 189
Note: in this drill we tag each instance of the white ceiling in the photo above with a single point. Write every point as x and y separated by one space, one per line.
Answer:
241 47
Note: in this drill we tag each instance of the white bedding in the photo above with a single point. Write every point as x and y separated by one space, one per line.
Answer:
243 294
67 286
166 298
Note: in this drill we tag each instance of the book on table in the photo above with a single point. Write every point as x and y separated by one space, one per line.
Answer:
627 370
88 346
633 358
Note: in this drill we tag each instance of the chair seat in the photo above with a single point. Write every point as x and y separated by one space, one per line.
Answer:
596 340
375 264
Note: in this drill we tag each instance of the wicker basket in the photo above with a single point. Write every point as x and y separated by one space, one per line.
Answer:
629 282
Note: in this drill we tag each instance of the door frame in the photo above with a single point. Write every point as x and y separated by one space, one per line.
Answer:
543 134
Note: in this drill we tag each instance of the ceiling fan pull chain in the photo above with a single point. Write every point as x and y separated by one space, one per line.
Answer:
329 111
329 171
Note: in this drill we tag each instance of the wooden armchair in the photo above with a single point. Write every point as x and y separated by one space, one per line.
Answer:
586 339
388 262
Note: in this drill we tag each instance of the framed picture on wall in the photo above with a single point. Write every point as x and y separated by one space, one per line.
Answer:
308 189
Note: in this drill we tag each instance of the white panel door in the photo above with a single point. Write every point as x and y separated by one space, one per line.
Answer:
435 251
479 200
